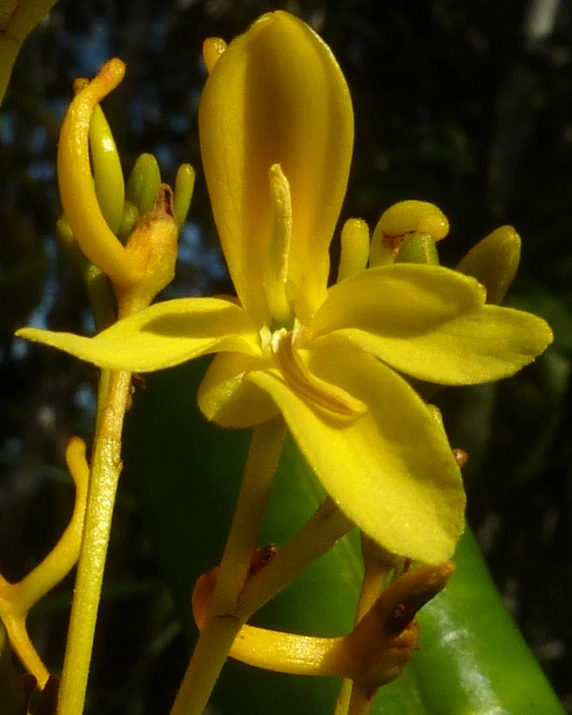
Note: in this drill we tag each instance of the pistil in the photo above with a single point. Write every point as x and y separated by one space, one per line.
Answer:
279 252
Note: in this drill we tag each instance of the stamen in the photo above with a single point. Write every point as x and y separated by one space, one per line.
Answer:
279 250
355 248
322 394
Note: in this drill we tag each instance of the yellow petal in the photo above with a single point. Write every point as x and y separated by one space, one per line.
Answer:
482 346
431 323
276 96
397 300
228 398
391 470
163 335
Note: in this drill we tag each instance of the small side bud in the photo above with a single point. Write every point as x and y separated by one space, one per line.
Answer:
107 173
355 248
143 183
184 187
128 221
494 262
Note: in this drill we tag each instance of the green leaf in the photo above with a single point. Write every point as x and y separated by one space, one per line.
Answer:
185 474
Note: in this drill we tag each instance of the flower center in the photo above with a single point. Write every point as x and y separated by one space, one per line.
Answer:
321 394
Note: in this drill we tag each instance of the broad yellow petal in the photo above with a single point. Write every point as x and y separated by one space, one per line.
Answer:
161 336
390 470
276 96
430 322
228 398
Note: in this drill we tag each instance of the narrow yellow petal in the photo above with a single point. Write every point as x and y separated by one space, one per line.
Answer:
163 335
276 96
391 470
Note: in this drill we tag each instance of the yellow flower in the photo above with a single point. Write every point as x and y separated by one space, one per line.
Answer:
276 132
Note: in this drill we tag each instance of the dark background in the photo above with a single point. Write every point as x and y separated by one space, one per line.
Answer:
466 103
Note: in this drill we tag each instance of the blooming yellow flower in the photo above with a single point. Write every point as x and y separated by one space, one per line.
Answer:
276 132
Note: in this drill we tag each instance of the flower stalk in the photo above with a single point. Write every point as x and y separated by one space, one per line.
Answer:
104 477
94 214
223 620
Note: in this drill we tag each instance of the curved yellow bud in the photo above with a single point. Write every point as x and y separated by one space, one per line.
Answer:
401 219
77 191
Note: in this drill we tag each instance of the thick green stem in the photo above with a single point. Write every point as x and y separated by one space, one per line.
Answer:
223 622
105 470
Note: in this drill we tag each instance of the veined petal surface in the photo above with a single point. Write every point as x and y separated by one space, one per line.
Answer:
390 470
276 96
160 336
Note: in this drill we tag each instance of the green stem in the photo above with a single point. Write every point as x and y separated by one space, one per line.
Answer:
318 535
105 470
223 622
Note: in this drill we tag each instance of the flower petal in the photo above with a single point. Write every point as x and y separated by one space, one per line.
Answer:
276 96
397 300
391 470
163 335
226 397
430 322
